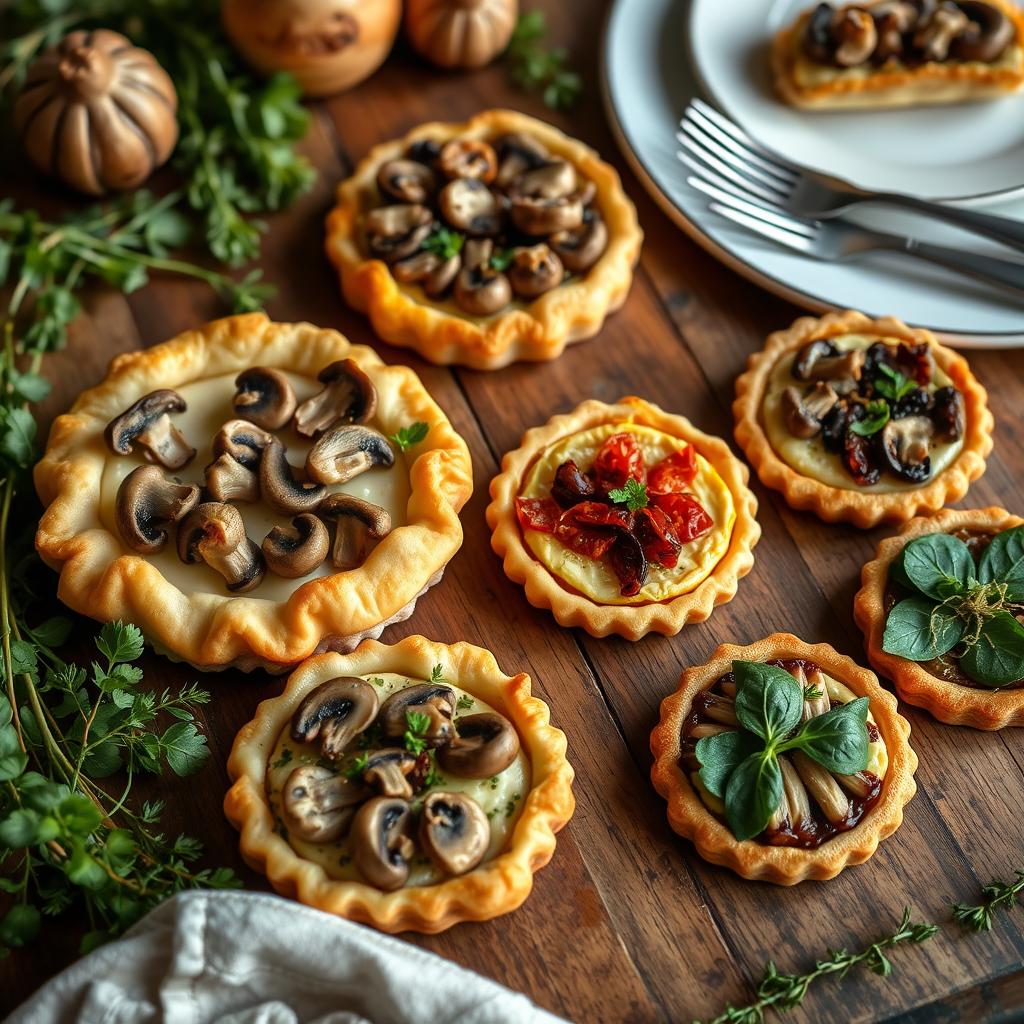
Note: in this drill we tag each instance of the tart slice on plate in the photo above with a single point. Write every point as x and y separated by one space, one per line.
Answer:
250 492
862 421
782 760
485 242
623 519
942 611
407 787
899 53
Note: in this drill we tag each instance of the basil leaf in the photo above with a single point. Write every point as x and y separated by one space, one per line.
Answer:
719 755
997 658
769 701
938 565
838 739
1003 562
753 793
919 630
897 574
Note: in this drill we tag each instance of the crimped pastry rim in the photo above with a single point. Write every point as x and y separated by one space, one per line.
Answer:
837 504
98 578
949 702
539 331
782 865
497 886
543 589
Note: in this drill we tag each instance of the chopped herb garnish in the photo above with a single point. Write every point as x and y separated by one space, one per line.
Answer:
408 436
417 724
464 703
876 415
285 758
356 766
812 692
633 495
892 384
501 259
437 674
444 242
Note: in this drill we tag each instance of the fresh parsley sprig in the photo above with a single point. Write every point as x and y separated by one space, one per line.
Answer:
996 896
633 494
892 384
444 242
417 723
876 415
406 437
538 68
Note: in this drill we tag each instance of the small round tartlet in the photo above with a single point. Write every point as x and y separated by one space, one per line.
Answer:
889 754
587 590
806 397
535 322
526 803
951 697
285 590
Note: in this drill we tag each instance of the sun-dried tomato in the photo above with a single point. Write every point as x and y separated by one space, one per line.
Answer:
859 459
620 459
675 472
590 528
540 514
629 564
657 536
597 513
914 361
689 517
571 485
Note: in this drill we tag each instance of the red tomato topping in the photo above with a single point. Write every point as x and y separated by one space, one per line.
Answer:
590 528
628 563
656 533
688 516
540 514
620 459
675 472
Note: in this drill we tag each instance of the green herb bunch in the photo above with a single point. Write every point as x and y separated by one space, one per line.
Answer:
539 68
961 606
742 767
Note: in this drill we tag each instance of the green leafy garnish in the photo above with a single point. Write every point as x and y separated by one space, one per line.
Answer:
356 766
633 495
892 384
437 674
539 69
812 692
464 703
444 242
417 723
501 259
408 436
876 416
997 895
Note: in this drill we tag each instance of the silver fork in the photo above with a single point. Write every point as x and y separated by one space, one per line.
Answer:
712 141
835 240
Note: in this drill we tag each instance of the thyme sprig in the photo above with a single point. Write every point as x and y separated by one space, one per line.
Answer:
996 896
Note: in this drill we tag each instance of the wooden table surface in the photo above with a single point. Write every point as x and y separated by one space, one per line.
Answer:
626 923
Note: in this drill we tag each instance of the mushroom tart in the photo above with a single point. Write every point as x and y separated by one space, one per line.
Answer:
623 519
899 53
250 493
862 421
485 242
942 611
782 760
408 787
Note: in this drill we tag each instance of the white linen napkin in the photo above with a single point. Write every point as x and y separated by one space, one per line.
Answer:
253 958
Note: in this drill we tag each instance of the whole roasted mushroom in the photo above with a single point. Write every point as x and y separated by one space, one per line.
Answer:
265 397
394 232
580 248
534 271
987 35
805 413
432 272
905 447
517 154
228 480
357 525
408 181
280 490
335 712
215 534
382 844
470 206
469 159
296 550
346 451
454 831
387 771
486 744
948 414
317 805
348 394
479 288
934 39
893 20
537 216
243 441
552 180
435 701
147 504
148 424
818 41
856 37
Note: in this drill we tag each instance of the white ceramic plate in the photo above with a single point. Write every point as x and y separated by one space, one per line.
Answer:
648 79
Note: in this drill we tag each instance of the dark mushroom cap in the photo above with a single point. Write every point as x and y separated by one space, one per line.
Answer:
228 480
335 712
382 845
905 445
552 180
809 355
805 412
989 32
454 831
537 216
296 550
348 395
387 770
408 181
280 490
517 153
486 745
317 805
264 397
148 423
535 270
470 206
582 247
468 159
243 441
482 290
346 451
215 534
434 701
357 523
147 504
949 414
394 232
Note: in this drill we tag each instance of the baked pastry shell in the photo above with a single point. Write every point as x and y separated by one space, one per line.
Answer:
837 504
495 887
102 578
949 702
537 331
571 608
782 865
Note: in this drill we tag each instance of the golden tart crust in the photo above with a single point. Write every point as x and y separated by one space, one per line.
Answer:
783 865
896 84
537 331
572 608
102 578
497 886
950 702
838 504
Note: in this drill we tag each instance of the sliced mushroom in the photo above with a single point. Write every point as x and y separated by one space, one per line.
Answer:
720 709
469 159
552 180
536 216
518 153
243 441
147 504
534 271
479 288
429 270
804 413
905 444
408 181
348 394
807 358
818 41
387 770
454 831
582 247
708 729
430 699
264 397
215 534
948 414
893 20
148 424
317 805
335 712
470 206
816 363
358 524
825 791
856 36
346 451
987 35
486 744
394 232
228 480
860 785
296 550
935 38
281 491
382 845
